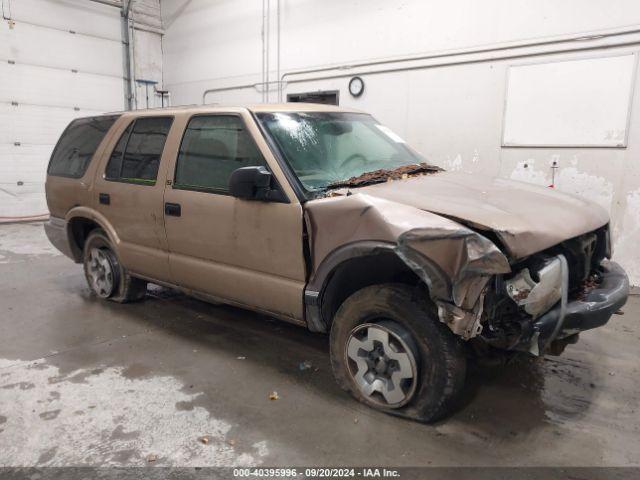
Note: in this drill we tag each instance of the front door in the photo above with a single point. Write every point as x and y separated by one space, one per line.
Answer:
248 252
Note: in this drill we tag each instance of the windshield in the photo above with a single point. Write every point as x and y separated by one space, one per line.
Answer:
325 148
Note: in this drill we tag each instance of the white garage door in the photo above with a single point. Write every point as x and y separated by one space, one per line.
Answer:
59 60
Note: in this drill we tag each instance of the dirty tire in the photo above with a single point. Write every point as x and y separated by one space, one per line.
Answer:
125 288
439 354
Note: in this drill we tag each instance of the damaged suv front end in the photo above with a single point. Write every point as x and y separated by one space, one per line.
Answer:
536 268
507 265
554 295
411 267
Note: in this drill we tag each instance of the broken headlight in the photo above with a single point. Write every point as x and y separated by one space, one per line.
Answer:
537 293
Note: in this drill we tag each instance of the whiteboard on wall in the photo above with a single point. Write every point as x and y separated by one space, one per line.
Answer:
574 103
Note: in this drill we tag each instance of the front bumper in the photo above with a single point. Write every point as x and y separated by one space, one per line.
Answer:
594 310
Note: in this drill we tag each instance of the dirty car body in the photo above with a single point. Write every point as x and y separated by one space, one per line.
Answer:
323 217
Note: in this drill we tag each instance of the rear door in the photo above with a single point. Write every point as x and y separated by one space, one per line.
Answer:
129 189
245 251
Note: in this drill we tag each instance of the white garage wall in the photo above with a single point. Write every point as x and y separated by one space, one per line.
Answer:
59 60
451 105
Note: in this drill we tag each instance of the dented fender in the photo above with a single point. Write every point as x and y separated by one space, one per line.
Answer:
453 261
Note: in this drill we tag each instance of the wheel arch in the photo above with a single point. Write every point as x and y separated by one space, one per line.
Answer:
356 265
80 222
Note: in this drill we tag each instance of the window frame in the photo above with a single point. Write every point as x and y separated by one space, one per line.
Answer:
217 191
64 132
133 181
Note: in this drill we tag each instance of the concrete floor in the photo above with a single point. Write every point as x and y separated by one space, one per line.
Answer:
83 381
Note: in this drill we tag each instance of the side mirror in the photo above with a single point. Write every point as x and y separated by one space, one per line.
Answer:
252 183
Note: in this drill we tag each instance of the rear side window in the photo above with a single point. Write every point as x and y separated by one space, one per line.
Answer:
78 143
136 157
212 148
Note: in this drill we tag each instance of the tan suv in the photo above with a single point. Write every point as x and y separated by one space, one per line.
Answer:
323 217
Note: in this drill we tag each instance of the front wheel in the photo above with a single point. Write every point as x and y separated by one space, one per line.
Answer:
390 351
106 277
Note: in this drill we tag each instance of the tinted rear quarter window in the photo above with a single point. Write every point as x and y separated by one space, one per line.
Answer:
78 143
136 157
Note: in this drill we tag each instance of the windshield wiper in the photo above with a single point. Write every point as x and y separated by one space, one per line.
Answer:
383 175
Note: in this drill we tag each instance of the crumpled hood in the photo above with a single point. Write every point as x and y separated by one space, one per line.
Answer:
527 218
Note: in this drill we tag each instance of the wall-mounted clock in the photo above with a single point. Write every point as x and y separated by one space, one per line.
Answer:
356 86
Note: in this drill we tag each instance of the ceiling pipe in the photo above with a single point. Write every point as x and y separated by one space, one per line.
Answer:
262 32
264 84
268 48
278 49
350 73
501 52
110 3
4 15
466 51
234 87
127 40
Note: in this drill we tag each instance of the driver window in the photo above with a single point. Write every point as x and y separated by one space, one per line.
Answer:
212 148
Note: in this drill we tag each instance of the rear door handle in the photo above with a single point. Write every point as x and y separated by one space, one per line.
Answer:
104 199
172 209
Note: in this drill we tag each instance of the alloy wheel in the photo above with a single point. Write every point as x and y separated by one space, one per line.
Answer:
100 272
381 359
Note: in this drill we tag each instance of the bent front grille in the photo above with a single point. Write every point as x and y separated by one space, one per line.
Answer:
583 254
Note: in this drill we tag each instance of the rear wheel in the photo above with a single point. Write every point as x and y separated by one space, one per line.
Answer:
390 351
102 273
105 275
